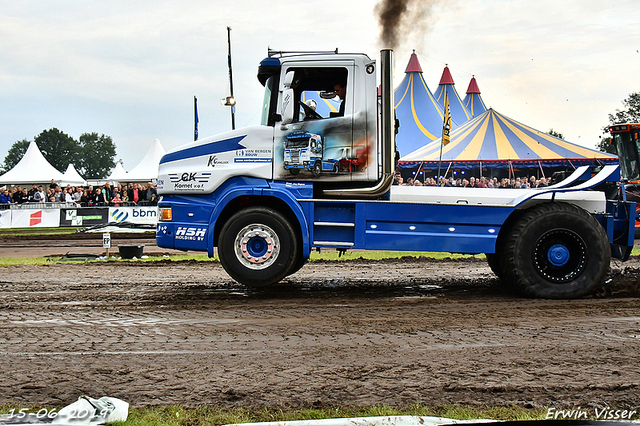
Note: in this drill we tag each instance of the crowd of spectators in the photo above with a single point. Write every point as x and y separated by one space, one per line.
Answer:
473 182
132 194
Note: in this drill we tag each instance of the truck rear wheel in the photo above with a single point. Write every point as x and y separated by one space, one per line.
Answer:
494 263
257 246
556 251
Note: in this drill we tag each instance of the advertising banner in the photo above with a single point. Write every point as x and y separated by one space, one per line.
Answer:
27 218
85 216
137 214
5 218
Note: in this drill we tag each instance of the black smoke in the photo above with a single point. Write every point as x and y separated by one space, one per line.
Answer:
404 21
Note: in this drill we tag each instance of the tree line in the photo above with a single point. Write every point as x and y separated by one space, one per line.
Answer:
630 114
92 155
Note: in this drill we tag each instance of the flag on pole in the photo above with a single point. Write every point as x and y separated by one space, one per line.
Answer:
195 124
446 127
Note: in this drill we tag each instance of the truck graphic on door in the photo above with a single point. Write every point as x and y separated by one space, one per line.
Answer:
303 151
306 151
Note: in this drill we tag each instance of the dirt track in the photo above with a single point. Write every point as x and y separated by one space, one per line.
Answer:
358 333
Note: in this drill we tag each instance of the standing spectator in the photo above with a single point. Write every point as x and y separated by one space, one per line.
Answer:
125 196
108 192
151 195
5 198
116 200
397 178
53 185
68 198
134 195
77 194
85 200
32 191
22 196
39 196
57 195
17 193
99 197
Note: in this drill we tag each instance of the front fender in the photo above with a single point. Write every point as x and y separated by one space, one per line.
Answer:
283 195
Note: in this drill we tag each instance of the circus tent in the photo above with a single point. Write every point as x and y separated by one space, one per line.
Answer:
495 140
473 101
417 110
459 113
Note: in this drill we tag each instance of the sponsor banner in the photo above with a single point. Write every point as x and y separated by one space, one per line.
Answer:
25 218
85 216
136 214
5 218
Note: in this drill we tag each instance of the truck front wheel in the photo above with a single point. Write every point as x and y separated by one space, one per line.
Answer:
556 251
257 246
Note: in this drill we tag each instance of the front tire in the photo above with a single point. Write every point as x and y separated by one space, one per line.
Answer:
556 251
257 246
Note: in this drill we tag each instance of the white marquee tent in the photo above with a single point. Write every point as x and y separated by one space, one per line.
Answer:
147 170
118 174
72 177
33 168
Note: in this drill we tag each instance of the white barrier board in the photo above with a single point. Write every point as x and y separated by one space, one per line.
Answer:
39 218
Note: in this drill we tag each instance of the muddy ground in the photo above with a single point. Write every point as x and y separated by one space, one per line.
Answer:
356 333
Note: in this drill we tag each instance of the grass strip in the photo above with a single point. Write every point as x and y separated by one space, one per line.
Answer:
315 256
173 415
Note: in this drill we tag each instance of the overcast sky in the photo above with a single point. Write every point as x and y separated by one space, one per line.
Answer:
130 69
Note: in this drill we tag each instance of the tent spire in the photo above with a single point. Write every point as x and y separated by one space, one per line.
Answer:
414 64
446 76
473 86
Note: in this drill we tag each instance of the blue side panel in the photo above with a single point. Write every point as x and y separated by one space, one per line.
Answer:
405 226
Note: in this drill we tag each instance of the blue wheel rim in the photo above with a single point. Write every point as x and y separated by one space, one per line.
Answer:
560 255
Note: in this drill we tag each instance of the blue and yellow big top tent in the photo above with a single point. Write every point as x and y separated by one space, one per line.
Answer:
499 141
417 110
473 101
459 113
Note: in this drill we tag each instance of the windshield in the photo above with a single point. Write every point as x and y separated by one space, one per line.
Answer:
266 100
628 155
299 142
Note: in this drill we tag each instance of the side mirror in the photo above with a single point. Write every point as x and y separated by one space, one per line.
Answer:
328 94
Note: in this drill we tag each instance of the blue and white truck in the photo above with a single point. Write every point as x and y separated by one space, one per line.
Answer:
555 242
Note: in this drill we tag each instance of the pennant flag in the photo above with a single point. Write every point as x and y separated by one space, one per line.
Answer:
446 127
195 125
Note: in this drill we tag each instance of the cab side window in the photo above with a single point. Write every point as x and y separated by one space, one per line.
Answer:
319 93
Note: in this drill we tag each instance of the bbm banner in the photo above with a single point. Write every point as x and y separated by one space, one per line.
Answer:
138 214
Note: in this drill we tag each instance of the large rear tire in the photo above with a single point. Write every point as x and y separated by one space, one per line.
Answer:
555 251
257 246
494 263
